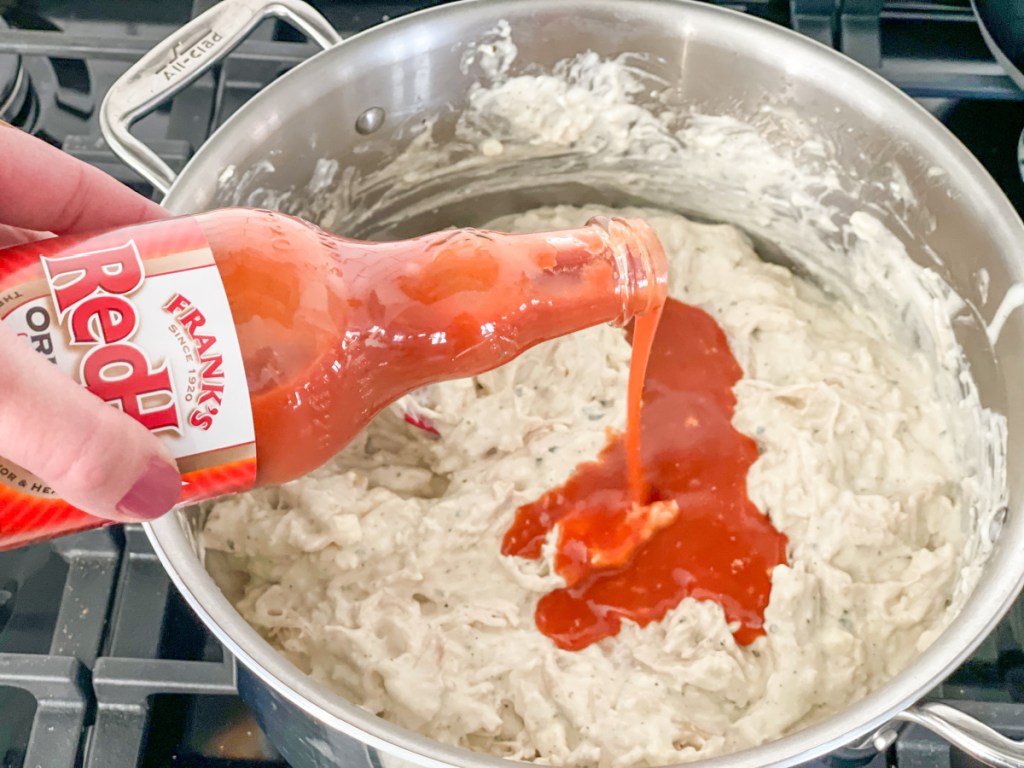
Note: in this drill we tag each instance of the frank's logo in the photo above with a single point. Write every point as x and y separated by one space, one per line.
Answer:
210 398
188 53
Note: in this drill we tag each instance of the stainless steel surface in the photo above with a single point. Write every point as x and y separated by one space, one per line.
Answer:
179 60
719 63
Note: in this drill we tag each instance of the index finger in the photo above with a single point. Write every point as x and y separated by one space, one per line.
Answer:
42 188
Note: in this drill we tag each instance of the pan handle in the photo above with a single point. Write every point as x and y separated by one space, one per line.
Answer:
967 734
180 59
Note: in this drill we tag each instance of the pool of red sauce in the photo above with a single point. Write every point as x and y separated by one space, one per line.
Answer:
624 561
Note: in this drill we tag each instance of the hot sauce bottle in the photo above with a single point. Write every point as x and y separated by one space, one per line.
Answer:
257 345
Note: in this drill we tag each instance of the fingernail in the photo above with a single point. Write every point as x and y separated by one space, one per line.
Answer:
154 493
5 124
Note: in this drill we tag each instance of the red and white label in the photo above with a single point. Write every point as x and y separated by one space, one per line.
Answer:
139 317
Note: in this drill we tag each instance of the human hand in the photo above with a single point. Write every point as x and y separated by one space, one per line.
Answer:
94 456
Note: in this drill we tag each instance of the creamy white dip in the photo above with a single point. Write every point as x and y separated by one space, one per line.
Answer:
380 575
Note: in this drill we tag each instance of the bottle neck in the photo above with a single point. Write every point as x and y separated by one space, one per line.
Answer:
641 265
458 303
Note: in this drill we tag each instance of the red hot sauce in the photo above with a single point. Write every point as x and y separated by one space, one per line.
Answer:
637 536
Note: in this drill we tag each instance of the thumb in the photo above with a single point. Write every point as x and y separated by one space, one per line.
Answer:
94 456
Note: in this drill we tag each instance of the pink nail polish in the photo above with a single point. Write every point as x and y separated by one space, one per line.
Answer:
154 493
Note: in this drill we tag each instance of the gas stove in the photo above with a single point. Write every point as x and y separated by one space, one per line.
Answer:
102 665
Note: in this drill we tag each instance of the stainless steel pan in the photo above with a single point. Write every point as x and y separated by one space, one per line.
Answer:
355 103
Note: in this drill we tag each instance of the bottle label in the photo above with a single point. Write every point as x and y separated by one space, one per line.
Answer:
140 318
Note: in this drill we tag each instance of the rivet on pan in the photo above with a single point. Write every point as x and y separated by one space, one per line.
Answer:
370 120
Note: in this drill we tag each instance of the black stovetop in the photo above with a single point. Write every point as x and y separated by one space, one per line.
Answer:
101 663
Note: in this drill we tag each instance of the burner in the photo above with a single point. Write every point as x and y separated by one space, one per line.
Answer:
42 92
12 82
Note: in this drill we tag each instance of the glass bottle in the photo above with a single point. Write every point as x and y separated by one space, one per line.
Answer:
257 345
